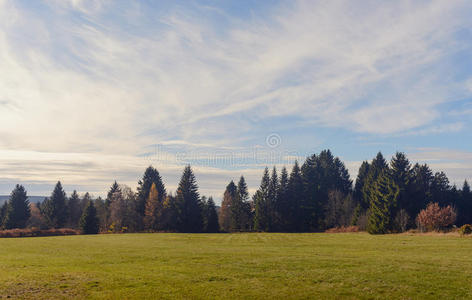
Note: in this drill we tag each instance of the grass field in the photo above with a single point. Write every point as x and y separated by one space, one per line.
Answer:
253 265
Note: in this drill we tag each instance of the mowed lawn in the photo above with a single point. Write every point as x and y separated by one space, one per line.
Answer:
250 265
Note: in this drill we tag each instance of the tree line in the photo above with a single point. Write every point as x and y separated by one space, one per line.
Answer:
318 195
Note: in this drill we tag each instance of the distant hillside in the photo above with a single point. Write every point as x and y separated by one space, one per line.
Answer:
32 199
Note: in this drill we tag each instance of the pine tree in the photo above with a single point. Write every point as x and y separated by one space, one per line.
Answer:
210 217
282 206
376 168
54 209
420 188
244 217
228 218
261 199
360 182
151 175
383 200
295 199
151 221
272 200
464 206
75 210
18 209
3 213
189 204
400 169
441 190
89 223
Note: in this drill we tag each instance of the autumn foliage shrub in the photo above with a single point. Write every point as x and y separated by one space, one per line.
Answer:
32 232
343 229
465 229
433 217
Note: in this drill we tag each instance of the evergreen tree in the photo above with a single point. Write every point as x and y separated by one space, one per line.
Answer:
401 173
230 209
311 205
420 188
189 204
75 210
244 207
360 182
261 199
151 216
54 209
295 199
3 213
465 205
383 200
376 168
89 223
18 209
282 205
151 175
210 217
272 200
441 190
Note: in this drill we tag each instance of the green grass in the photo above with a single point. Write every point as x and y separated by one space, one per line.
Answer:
245 266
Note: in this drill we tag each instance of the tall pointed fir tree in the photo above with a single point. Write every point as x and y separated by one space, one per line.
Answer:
89 222
261 199
464 206
18 209
189 204
282 205
295 199
377 167
245 217
383 201
420 188
54 208
75 210
272 200
210 217
151 175
400 169
360 182
151 214
3 213
226 210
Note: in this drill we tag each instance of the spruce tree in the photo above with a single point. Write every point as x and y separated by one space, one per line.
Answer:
464 205
151 175
383 201
401 173
151 215
18 209
75 210
245 218
225 217
282 205
210 217
360 182
272 200
89 222
420 188
261 199
3 213
189 204
54 208
441 190
376 168
295 199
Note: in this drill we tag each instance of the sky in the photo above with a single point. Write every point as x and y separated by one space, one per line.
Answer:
96 91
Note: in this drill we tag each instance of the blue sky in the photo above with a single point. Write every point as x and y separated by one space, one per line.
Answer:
93 91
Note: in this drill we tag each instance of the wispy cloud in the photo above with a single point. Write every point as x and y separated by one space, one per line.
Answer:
109 79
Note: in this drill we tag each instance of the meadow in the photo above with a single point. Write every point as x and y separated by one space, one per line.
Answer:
247 265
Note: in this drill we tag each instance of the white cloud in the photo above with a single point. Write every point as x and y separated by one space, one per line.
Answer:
97 87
